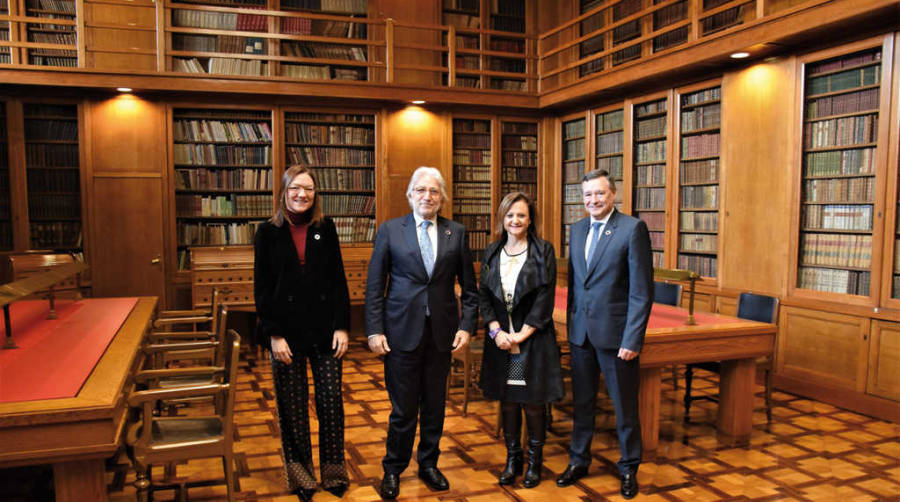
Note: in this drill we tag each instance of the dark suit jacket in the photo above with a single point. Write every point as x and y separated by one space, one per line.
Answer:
610 298
303 308
396 307
533 301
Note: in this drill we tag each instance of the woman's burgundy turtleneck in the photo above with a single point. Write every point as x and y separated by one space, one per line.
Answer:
299 223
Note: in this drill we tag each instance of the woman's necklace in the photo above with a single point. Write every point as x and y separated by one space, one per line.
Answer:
516 250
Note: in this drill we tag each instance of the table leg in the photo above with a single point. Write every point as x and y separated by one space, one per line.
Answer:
648 408
78 481
735 421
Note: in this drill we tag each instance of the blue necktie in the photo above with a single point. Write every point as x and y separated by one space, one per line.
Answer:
594 238
425 246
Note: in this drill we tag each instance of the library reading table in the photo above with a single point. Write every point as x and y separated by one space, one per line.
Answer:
735 342
63 391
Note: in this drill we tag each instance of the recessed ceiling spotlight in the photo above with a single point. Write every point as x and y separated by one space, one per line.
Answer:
418 101
740 55
123 89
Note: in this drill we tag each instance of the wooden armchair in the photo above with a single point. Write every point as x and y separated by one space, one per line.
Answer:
164 347
166 440
167 319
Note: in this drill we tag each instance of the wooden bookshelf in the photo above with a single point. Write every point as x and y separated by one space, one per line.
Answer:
573 151
841 114
650 133
609 146
60 32
718 15
595 44
508 16
340 148
5 52
519 158
223 177
6 231
700 120
472 198
666 17
52 169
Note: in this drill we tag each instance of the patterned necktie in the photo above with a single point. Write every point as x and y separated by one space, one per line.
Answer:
425 246
594 238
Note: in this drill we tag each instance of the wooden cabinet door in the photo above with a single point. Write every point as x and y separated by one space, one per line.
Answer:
884 360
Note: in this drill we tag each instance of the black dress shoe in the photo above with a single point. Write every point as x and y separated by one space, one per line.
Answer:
572 474
434 479
629 485
390 486
337 490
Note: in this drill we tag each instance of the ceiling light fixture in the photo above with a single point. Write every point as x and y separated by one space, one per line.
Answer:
740 55
123 89
418 101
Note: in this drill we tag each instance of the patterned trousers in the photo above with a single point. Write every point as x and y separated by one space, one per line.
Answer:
292 398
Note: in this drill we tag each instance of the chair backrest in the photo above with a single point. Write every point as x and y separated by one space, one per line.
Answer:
231 364
760 308
666 293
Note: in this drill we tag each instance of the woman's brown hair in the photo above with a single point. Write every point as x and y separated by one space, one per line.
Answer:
505 204
281 210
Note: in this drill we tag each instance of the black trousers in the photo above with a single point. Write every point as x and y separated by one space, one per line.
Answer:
417 386
292 399
622 382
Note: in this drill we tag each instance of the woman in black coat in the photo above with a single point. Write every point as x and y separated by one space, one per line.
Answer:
520 367
303 306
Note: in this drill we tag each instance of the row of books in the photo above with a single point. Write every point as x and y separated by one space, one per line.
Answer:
573 129
47 129
840 190
706 95
508 7
656 222
471 140
471 156
523 174
522 142
219 43
471 173
67 60
472 190
346 179
702 145
474 221
721 20
329 156
67 6
342 6
322 28
323 50
654 151
471 207
702 117
322 72
838 217
574 149
328 118
703 265
45 154
223 179
845 80
610 142
651 128
657 257
836 250
610 121
67 38
507 65
830 65
657 240
221 131
355 229
334 134
259 206
221 66
529 189
467 62
62 206
461 20
700 171
704 243
509 84
649 198
216 234
650 108
573 171
218 20
53 180
572 194
671 38
511 24
841 132
362 205
208 154
519 128
854 102
507 45
612 165
700 197
478 241
840 162
849 282
465 41
650 175
523 159
55 235
694 221
469 82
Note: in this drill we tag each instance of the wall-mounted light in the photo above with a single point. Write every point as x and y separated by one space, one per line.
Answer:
123 89
418 101
740 55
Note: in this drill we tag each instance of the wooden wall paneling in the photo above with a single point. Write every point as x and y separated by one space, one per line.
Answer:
890 294
726 305
759 133
550 190
884 360
627 187
823 347
79 28
18 183
424 13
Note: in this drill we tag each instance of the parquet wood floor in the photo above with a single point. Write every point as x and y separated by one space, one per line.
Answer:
810 452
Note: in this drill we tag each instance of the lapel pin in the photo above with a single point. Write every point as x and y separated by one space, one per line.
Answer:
317 236
608 232
448 232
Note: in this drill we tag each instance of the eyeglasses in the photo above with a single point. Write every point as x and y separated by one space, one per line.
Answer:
297 188
421 191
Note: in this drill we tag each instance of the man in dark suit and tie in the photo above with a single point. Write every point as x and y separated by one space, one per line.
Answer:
610 296
416 322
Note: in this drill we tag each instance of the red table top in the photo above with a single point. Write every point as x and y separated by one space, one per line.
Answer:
56 356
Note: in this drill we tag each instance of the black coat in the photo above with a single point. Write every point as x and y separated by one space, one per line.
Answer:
303 306
533 305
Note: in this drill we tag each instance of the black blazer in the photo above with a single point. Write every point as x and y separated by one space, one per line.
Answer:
304 308
533 302
399 312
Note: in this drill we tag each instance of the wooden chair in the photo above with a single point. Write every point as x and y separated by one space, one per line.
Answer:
166 440
667 293
462 367
190 319
753 307
165 347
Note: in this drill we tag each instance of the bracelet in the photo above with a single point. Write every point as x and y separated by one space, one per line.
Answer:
493 333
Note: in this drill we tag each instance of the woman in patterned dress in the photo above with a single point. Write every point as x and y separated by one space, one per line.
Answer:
304 310
520 366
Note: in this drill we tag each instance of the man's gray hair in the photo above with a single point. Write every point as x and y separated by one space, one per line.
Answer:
426 171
